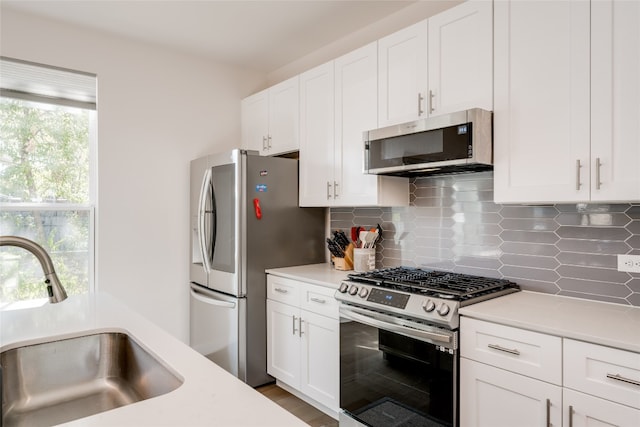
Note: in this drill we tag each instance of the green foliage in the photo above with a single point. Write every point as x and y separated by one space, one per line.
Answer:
44 158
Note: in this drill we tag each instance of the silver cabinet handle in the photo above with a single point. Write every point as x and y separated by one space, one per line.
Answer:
598 164
300 329
294 325
282 291
335 190
506 350
578 175
420 99
264 143
328 190
570 415
318 300
269 142
618 377
548 413
431 103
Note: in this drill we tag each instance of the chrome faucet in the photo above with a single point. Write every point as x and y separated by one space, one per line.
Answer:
54 287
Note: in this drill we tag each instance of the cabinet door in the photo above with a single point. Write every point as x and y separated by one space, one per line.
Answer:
356 90
541 102
492 397
461 58
403 75
255 122
317 186
284 117
320 371
582 410
283 342
615 100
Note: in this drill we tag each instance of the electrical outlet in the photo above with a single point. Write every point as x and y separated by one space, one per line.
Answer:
630 263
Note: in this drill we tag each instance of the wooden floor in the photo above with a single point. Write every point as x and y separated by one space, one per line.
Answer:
297 407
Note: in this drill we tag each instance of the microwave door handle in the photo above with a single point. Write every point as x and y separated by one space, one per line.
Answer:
202 218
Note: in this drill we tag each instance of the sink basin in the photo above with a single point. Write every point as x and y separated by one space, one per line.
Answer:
60 381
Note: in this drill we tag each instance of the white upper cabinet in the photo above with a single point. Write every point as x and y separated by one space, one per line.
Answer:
338 103
615 100
566 101
461 58
437 66
270 119
402 76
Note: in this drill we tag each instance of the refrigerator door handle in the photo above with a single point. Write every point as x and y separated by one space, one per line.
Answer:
202 216
212 301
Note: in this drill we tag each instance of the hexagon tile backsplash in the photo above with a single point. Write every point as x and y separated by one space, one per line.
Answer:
453 224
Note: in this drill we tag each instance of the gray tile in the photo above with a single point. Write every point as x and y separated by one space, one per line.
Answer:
476 251
591 273
529 261
473 185
634 284
435 263
615 290
476 271
479 262
634 299
434 222
592 246
633 212
473 196
340 210
431 202
342 216
591 260
440 253
535 285
477 218
537 274
529 236
593 207
528 212
634 227
529 249
483 229
593 233
368 212
595 219
341 225
529 224
634 242
478 240
431 242
432 212
433 192
433 232
475 207
593 297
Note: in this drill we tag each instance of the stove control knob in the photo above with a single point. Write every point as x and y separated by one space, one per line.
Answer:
443 310
428 306
353 290
363 292
343 288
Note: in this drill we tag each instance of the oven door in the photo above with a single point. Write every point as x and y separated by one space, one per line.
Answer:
394 372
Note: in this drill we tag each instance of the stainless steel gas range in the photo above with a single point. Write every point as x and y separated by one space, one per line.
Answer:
399 344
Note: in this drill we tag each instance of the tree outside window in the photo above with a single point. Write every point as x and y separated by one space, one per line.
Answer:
45 195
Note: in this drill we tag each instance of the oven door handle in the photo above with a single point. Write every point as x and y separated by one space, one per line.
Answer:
393 324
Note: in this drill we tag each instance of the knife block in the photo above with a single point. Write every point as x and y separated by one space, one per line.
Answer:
346 263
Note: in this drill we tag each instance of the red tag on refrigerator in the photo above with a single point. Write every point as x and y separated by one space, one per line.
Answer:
256 207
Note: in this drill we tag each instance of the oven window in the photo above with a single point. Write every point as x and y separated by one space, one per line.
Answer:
387 379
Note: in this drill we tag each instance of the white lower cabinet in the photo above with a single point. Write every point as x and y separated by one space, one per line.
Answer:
511 377
493 397
303 340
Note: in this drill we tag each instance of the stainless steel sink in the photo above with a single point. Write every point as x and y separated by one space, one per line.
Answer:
60 381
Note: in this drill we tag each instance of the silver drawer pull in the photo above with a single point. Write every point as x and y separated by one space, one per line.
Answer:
282 291
623 379
318 300
506 350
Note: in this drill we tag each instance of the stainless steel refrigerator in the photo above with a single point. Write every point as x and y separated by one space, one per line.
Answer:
244 219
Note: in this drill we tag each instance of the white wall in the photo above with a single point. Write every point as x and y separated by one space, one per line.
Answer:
157 110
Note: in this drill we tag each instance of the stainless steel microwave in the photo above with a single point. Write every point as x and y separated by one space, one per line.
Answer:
456 142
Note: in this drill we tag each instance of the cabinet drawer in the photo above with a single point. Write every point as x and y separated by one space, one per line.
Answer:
601 371
320 300
525 352
283 290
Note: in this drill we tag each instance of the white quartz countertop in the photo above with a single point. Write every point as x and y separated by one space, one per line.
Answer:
209 395
317 274
614 325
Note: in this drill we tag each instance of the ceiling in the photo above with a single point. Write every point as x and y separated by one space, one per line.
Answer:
263 35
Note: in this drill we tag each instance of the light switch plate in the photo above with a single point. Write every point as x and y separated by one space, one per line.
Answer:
629 263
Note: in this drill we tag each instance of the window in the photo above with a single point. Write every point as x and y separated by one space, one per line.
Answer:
47 185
